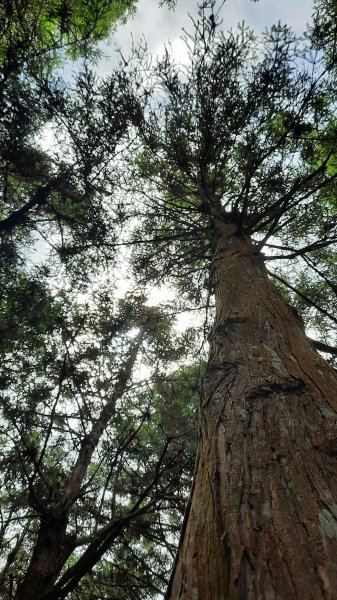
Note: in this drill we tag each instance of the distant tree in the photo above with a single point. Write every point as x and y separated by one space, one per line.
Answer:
94 470
94 467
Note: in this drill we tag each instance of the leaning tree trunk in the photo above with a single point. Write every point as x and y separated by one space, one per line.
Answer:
262 518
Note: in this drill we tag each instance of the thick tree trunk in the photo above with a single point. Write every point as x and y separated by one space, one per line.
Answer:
262 519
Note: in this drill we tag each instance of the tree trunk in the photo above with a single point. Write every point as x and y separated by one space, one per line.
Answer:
48 558
262 518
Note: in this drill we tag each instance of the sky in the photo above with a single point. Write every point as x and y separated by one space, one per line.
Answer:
159 25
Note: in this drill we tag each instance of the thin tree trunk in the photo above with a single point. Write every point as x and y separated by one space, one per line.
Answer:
262 519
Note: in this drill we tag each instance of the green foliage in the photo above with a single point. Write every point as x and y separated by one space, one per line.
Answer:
243 136
324 29
37 33
60 373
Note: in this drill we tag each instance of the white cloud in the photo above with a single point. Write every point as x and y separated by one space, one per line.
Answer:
160 25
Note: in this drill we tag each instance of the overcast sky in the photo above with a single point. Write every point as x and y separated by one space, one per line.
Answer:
160 25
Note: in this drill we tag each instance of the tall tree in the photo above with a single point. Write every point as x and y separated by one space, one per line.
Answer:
93 469
239 163
92 465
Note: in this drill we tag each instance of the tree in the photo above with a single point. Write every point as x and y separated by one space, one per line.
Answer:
235 154
93 468
238 157
66 367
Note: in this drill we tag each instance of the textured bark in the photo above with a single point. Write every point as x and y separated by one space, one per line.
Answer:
48 558
262 518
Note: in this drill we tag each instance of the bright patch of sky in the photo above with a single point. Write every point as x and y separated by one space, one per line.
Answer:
159 25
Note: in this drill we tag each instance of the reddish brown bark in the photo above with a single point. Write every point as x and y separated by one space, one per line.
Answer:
262 520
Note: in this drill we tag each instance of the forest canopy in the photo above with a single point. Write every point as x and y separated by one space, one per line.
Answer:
212 182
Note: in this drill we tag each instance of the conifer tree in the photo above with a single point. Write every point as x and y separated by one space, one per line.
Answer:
238 177
93 471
